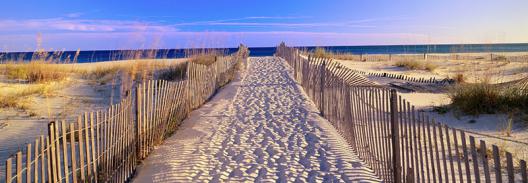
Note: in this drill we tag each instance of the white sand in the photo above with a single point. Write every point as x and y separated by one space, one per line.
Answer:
262 128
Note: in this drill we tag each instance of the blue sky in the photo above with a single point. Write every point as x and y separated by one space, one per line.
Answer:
125 24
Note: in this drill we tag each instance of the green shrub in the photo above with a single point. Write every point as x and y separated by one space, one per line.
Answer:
484 98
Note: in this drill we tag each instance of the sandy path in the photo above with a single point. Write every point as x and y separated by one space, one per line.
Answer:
262 128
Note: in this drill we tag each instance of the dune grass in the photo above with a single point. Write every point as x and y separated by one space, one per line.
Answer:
205 59
42 78
416 65
484 98
101 72
173 72
14 96
204 56
323 53
41 75
34 72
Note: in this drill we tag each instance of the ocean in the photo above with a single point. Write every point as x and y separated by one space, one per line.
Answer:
109 55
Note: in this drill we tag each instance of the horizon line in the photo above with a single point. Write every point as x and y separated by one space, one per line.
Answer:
297 46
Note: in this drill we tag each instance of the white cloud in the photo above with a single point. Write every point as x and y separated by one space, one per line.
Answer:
74 15
81 25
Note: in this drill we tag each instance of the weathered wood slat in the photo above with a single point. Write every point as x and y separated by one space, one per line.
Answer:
485 164
459 156
524 176
474 158
450 154
28 163
19 173
509 168
466 156
9 169
497 162
65 151
73 153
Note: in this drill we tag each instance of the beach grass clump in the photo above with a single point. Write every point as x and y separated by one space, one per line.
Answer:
101 72
460 78
35 71
499 58
485 98
8 101
416 65
322 53
173 72
204 56
204 59
345 56
428 66
14 97
409 64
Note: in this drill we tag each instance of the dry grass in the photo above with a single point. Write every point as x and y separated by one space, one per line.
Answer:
15 96
485 98
42 78
460 78
173 72
321 53
204 56
345 56
416 65
101 72
507 127
203 59
35 71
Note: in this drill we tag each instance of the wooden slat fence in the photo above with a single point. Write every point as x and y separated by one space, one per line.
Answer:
431 80
519 57
398 142
105 146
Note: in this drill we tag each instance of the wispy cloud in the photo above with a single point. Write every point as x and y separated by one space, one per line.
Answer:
256 21
74 15
72 23
274 24
81 25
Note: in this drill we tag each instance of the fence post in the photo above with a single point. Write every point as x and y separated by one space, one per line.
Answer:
410 175
323 86
396 162
137 123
